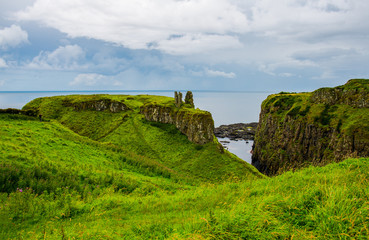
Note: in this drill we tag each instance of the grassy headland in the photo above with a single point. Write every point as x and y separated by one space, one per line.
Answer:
299 129
127 130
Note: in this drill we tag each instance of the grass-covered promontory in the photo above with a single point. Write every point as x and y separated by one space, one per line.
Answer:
116 120
76 176
319 127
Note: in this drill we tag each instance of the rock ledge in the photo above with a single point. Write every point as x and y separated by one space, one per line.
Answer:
244 131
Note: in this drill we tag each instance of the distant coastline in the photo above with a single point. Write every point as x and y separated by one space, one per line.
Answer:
115 91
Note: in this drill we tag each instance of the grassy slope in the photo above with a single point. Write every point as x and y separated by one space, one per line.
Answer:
153 141
74 187
82 189
46 155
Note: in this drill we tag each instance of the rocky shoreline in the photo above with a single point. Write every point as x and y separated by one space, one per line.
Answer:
237 131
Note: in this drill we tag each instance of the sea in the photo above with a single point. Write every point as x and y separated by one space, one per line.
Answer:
225 107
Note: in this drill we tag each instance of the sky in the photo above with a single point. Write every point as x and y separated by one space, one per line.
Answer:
233 45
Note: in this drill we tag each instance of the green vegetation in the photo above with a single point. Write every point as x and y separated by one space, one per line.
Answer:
324 126
56 184
86 174
318 112
160 144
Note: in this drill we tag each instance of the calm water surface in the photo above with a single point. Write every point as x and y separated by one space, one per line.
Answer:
225 107
240 148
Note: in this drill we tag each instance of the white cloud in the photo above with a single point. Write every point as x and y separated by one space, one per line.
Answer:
284 39
130 79
3 63
163 24
215 73
294 18
279 68
167 25
198 43
324 54
12 36
117 83
326 75
63 58
286 74
2 82
7 7
88 79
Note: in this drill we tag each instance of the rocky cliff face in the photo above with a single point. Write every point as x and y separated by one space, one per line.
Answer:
100 105
197 125
296 130
354 93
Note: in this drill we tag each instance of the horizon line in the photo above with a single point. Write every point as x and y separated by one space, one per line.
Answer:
62 91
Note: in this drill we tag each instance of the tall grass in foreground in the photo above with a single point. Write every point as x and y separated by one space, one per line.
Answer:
331 202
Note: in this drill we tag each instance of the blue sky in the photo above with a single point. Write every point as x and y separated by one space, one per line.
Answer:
246 45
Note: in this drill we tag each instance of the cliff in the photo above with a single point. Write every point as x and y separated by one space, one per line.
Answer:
197 125
99 105
106 112
327 125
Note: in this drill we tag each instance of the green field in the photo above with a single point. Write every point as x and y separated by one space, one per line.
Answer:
101 175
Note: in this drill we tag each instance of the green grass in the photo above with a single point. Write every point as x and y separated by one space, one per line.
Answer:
160 143
167 145
331 202
43 155
299 107
136 179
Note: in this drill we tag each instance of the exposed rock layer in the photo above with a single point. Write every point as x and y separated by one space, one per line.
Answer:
101 105
328 125
355 94
197 125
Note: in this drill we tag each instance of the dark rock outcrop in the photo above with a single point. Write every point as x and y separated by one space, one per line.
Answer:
100 105
327 125
245 131
197 125
189 99
178 99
